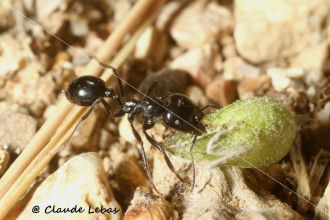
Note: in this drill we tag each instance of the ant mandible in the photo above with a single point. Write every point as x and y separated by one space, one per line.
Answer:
176 110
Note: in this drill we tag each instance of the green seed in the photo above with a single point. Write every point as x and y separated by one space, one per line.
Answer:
247 133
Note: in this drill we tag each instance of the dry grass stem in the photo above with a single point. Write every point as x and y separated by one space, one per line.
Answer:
302 177
36 155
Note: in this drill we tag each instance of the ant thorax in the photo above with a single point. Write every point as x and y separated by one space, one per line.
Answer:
152 107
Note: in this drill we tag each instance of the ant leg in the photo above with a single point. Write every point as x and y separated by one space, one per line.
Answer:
118 114
210 105
115 72
160 147
152 87
143 153
193 162
83 118
107 107
118 78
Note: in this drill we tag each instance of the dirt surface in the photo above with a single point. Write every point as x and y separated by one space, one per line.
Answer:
216 52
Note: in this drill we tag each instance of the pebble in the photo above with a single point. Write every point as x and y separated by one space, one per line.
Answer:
79 27
200 23
125 130
82 136
248 87
145 207
314 77
295 79
236 68
324 114
163 178
282 78
222 92
312 58
128 171
105 139
279 79
45 8
197 96
12 57
16 129
152 44
199 63
288 28
33 89
80 182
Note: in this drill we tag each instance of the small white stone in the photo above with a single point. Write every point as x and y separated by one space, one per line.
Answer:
314 77
311 91
79 27
324 114
280 79
125 130
46 7
106 163
12 55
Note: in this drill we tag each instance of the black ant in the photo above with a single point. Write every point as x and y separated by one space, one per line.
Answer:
176 110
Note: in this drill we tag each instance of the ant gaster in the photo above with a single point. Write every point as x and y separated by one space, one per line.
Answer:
176 110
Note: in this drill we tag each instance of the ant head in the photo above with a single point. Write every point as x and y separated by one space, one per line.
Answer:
182 114
85 90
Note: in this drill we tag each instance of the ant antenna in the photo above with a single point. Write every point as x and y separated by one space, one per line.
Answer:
152 87
83 118
115 72
193 162
209 106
